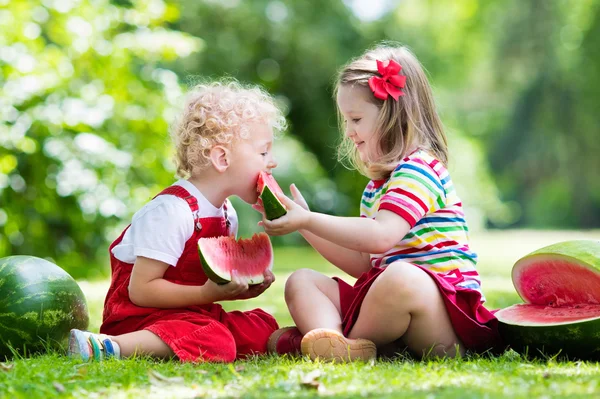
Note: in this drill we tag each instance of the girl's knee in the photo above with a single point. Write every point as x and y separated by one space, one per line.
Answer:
399 278
402 283
299 281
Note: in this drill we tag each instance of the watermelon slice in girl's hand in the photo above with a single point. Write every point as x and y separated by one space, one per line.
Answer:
268 201
250 257
560 285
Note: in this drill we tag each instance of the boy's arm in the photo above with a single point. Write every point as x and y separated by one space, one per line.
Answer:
148 288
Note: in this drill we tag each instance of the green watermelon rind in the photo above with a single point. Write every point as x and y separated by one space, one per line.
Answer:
579 339
210 273
24 326
273 207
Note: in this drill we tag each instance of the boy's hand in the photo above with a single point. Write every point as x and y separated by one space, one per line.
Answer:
296 218
255 290
222 292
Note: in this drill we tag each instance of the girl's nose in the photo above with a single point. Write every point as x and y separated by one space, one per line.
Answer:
349 131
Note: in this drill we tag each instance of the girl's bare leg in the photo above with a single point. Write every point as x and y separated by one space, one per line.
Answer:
314 303
404 302
313 300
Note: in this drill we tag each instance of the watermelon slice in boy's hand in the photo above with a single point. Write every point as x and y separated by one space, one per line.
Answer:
268 191
250 257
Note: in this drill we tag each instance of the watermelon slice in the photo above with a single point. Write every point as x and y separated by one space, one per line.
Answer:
268 191
560 285
251 257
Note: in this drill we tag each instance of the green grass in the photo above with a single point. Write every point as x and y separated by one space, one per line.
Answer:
509 375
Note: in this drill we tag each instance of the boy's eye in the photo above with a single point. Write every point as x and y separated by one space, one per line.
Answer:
356 120
264 154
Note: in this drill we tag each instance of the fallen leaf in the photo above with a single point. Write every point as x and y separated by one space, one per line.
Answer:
82 371
309 380
157 378
60 388
240 368
6 366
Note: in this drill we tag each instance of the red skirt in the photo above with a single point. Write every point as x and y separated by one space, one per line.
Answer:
476 326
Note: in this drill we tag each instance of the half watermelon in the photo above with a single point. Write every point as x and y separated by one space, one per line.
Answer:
560 285
268 201
250 257
39 304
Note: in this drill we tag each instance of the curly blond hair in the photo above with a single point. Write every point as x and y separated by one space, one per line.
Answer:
217 113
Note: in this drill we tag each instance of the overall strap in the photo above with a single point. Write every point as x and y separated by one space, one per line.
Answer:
182 193
227 222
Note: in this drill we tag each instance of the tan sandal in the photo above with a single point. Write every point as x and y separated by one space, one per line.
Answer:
331 345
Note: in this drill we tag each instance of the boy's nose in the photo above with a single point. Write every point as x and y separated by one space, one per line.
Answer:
272 164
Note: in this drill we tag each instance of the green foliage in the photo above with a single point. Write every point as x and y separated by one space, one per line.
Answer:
85 105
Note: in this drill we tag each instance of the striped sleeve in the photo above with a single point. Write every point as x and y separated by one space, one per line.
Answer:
414 190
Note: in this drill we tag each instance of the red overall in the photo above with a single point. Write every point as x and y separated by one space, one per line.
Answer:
195 333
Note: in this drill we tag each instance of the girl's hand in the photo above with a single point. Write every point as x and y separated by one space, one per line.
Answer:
296 218
298 198
223 292
255 290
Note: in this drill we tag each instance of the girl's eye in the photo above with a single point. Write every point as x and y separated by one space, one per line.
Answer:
356 120
264 154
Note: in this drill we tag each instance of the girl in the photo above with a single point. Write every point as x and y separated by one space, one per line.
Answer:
160 303
417 283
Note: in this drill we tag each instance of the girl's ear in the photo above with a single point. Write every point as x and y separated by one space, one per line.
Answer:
220 157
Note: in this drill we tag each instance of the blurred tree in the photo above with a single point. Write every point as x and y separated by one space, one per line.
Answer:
545 154
84 106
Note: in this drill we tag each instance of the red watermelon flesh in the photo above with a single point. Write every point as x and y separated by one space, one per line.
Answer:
269 193
250 257
532 315
556 281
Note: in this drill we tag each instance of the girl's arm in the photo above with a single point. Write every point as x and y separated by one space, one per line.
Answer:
372 236
352 262
148 288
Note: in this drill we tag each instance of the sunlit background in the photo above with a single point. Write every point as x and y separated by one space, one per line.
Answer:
88 89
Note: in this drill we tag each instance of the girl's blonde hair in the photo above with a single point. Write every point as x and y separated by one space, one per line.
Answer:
412 121
218 113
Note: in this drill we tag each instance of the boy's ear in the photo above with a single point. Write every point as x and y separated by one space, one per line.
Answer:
220 157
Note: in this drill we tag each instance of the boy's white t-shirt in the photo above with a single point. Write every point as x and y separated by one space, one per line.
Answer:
162 227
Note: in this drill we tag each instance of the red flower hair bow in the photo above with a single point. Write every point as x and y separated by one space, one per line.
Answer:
390 82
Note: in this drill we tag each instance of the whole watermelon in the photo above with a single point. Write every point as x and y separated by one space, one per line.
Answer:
39 304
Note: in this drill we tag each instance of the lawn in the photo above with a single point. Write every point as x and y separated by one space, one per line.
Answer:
510 375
